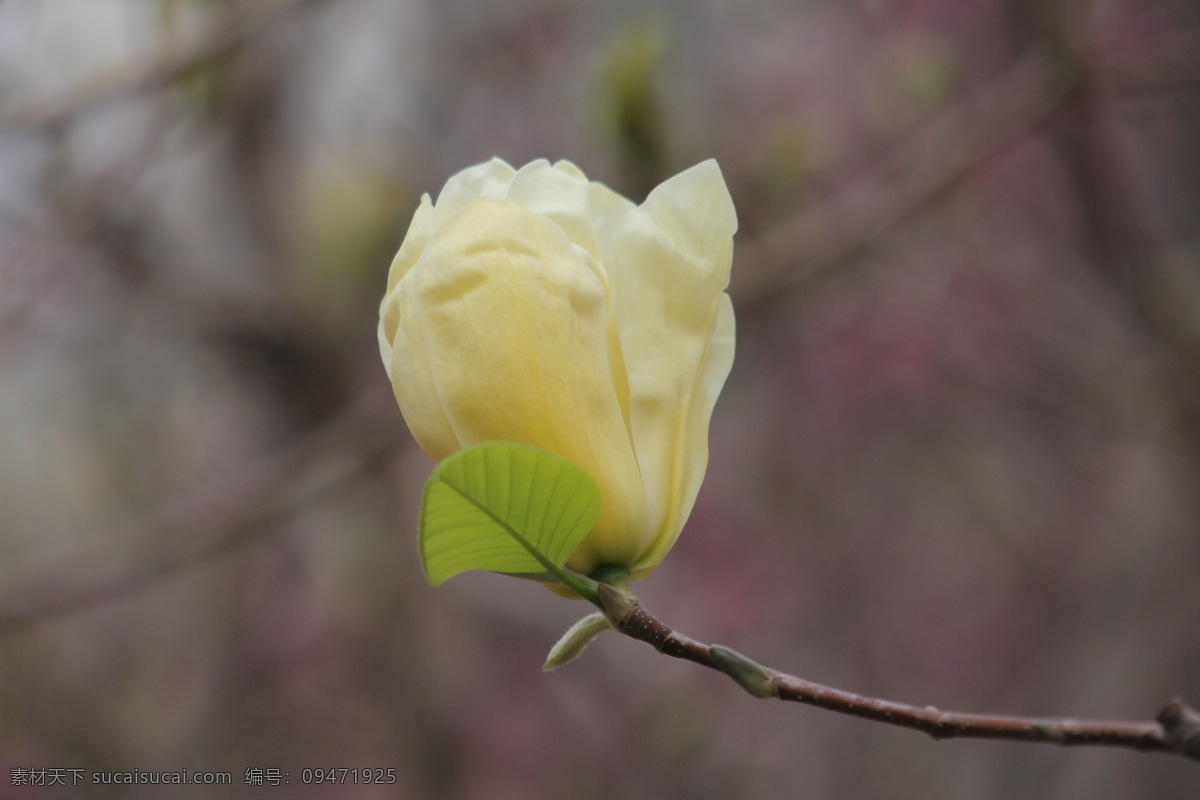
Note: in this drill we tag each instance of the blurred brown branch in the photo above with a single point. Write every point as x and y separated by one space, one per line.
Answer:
932 162
1173 66
234 28
201 525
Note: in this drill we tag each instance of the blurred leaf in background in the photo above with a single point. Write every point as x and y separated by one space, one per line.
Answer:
632 109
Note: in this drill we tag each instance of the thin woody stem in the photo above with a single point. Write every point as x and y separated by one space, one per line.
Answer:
1176 729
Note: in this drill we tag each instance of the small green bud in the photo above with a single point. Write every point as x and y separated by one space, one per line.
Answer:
577 637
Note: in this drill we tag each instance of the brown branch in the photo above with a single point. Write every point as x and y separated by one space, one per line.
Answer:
1176 729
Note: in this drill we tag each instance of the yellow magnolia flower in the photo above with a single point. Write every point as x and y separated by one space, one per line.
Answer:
538 307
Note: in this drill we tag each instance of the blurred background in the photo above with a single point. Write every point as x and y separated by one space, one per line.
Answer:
955 463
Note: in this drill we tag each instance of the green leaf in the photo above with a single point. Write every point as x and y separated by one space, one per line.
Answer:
507 508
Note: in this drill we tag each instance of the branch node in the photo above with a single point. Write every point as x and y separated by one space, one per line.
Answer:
1047 731
1181 726
617 605
746 673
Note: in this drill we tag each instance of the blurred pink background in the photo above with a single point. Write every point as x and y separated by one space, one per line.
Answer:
955 464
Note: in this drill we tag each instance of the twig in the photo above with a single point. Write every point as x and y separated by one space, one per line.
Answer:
936 159
1176 729
223 37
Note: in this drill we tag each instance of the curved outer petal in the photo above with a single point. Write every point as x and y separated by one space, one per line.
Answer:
588 213
561 194
514 320
402 343
671 264
411 370
490 179
718 360
424 225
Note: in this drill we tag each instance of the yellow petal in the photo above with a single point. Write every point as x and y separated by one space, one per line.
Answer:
514 319
558 194
490 179
402 343
587 213
670 266
409 366
424 225
718 360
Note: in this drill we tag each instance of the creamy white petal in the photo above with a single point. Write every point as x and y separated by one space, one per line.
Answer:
424 225
568 168
563 194
490 179
410 368
671 264
560 194
718 360
607 209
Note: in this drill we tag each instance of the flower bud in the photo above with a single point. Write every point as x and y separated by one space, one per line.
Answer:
535 306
